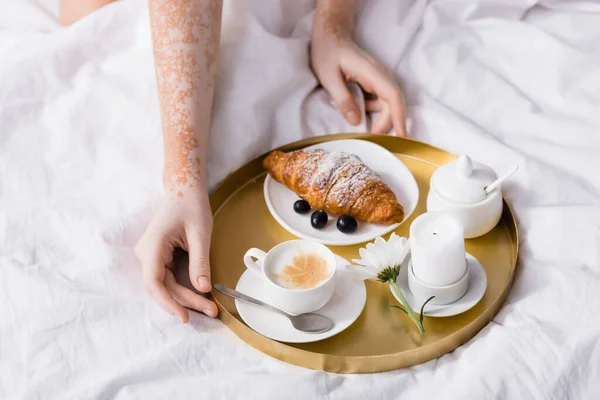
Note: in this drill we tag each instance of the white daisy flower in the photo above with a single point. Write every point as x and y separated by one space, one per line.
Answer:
377 256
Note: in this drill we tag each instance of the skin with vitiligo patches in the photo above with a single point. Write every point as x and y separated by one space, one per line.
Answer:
337 17
182 32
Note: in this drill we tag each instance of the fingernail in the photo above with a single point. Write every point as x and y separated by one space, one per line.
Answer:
203 281
352 117
209 312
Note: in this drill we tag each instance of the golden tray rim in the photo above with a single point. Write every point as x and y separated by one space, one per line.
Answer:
365 363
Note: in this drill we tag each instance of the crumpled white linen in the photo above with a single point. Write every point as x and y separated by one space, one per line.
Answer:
507 82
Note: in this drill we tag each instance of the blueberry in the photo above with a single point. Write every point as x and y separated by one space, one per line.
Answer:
318 219
301 207
346 224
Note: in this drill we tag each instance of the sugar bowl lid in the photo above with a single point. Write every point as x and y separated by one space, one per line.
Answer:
463 180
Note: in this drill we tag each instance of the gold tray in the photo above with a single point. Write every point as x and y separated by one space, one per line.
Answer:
382 338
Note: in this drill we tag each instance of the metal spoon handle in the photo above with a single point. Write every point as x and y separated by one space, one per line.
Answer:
242 297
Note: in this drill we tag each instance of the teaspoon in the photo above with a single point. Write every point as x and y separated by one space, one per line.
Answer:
309 323
489 188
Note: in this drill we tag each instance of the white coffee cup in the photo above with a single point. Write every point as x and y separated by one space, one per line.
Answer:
294 301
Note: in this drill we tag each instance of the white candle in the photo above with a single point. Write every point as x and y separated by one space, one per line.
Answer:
437 249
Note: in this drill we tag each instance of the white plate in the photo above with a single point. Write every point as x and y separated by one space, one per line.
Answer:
343 309
477 287
280 200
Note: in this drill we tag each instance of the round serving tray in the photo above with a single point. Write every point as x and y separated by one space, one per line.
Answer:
382 338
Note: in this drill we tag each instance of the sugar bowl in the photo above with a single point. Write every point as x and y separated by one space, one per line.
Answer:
470 192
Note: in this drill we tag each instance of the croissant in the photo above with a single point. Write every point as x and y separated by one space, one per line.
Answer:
336 182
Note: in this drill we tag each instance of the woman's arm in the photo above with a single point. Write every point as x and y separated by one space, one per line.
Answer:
185 35
336 60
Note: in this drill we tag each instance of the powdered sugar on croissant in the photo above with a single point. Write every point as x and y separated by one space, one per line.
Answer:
336 182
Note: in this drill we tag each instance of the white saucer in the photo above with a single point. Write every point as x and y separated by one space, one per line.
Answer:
280 200
476 290
343 309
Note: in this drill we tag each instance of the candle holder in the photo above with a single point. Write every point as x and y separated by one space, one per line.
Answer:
442 295
475 290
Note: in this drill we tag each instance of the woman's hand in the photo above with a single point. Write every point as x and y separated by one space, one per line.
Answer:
182 221
337 62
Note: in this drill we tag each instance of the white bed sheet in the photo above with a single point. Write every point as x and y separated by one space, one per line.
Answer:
80 160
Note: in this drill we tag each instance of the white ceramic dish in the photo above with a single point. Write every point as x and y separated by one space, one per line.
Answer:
458 188
476 290
343 309
395 174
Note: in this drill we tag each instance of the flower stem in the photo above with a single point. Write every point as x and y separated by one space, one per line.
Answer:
409 310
